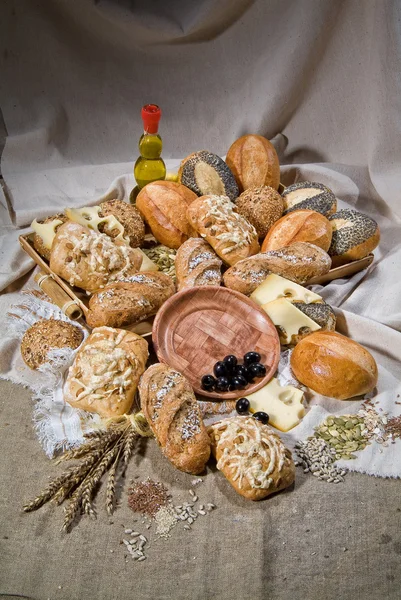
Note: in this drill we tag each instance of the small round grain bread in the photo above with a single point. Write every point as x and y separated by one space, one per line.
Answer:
46 335
261 206
206 173
163 205
299 226
38 244
129 217
311 196
254 162
355 235
333 365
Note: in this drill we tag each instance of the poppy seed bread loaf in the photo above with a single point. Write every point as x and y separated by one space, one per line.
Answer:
355 235
254 162
206 173
309 195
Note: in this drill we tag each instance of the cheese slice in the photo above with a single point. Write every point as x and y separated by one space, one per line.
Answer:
147 263
46 231
275 286
283 404
88 216
290 318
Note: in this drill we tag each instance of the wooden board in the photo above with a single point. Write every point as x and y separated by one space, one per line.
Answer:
197 327
343 271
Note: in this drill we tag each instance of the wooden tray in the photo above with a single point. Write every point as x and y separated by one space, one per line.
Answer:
197 327
343 271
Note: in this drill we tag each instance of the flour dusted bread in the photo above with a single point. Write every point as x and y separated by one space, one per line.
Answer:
254 162
251 456
197 264
231 236
206 173
299 226
298 262
47 335
90 260
163 205
171 409
104 376
333 365
132 300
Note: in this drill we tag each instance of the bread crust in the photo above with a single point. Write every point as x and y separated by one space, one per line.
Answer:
131 301
298 262
254 162
231 236
299 226
251 456
173 414
163 205
104 376
197 264
333 365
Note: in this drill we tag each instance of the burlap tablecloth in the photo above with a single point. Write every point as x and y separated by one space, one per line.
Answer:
325 75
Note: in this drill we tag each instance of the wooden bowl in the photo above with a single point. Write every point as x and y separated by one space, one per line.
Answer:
197 327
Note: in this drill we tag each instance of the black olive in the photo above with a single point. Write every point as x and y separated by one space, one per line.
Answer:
230 361
222 384
251 357
241 370
242 406
262 417
220 369
208 382
261 369
241 382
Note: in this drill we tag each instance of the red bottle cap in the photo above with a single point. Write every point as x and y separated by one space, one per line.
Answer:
151 114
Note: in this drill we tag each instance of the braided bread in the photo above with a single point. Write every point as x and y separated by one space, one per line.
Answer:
197 264
173 414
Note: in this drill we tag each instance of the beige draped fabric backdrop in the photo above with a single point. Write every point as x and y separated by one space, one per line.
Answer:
322 78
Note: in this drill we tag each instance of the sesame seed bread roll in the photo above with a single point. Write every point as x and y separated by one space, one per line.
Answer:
197 264
309 195
206 173
254 162
298 262
230 235
171 409
105 373
163 205
299 226
333 365
355 235
132 300
262 206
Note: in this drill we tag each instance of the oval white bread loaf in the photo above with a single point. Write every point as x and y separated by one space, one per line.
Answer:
299 226
254 162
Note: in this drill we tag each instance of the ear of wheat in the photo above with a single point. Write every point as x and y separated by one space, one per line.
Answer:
105 450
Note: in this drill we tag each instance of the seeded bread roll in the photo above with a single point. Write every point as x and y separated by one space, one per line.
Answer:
197 264
163 205
104 375
231 236
321 313
173 414
254 162
311 196
299 226
47 335
130 301
44 236
333 365
298 262
261 206
355 235
129 217
206 173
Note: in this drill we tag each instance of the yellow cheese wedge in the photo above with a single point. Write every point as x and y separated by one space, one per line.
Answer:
88 216
275 286
290 318
283 404
147 263
46 231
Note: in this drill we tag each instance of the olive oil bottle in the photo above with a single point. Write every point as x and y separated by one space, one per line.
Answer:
149 165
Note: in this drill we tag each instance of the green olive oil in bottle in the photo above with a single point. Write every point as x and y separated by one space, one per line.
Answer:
149 165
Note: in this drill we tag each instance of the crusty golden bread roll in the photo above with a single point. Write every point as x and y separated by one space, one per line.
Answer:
173 414
45 232
355 235
299 226
333 365
309 195
47 335
163 205
197 264
231 236
90 260
206 173
104 375
261 206
298 262
254 162
251 456
130 301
